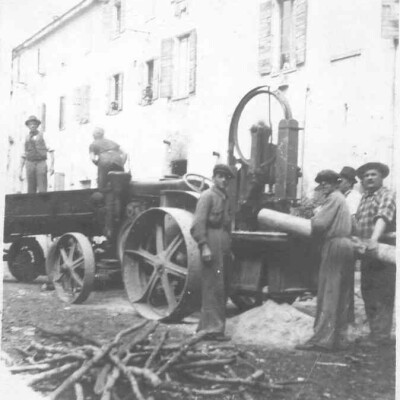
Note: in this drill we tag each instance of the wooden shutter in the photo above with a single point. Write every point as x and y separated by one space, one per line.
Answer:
156 78
77 102
166 67
265 38
192 61
123 14
109 91
107 17
390 19
85 113
120 91
300 15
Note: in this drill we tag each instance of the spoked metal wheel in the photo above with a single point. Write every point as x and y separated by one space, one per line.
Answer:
70 266
26 260
161 265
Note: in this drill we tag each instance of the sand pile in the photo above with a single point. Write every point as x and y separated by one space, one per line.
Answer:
271 325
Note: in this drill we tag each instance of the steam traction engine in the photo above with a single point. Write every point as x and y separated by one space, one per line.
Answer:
146 226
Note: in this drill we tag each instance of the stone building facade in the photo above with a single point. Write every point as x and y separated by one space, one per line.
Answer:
163 78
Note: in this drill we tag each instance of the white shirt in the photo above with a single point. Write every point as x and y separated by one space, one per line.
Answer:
353 198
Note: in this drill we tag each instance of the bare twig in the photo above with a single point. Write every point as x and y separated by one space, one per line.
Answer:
49 349
111 379
30 367
246 395
79 391
96 358
204 363
52 373
156 350
184 347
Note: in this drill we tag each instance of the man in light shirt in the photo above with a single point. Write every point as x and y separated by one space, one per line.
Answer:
348 180
353 197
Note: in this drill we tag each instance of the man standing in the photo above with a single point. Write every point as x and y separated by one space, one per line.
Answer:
211 230
353 197
34 158
332 224
375 216
107 155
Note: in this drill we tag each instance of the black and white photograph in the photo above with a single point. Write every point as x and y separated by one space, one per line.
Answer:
198 199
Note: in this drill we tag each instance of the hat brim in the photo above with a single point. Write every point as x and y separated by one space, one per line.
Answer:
32 120
382 168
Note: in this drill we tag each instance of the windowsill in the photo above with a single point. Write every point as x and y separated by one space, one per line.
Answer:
283 72
179 98
345 56
113 112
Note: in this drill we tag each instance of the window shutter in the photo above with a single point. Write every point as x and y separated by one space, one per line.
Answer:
142 81
265 38
107 17
109 91
156 78
123 14
166 67
192 61
77 103
300 14
120 91
85 114
390 19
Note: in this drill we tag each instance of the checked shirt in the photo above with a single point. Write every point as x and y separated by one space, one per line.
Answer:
379 204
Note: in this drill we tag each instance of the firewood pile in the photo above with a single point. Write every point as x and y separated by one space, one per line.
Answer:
141 362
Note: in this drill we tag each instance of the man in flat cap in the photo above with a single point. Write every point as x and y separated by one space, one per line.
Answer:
211 230
376 216
106 155
34 158
353 197
332 225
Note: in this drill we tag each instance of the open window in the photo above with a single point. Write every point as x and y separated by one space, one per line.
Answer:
114 95
178 66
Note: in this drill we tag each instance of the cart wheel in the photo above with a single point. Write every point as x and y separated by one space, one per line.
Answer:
161 265
246 302
70 266
25 260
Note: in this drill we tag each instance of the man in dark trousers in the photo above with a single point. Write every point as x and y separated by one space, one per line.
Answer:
34 158
107 155
211 230
375 216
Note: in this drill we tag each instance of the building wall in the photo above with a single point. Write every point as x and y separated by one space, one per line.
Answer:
342 94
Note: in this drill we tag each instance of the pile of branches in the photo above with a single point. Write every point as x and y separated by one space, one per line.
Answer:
142 361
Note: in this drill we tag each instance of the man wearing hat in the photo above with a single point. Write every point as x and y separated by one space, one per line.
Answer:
34 158
347 182
353 197
211 230
332 225
375 216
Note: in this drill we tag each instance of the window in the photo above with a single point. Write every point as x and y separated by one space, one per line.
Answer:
114 98
82 104
286 27
117 17
150 86
178 66
282 35
43 116
61 121
181 73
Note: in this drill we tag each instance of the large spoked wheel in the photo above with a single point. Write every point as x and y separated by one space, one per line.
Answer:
161 265
26 260
197 182
70 265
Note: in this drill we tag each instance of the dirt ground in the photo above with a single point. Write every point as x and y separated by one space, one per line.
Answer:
354 374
